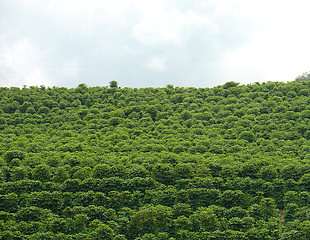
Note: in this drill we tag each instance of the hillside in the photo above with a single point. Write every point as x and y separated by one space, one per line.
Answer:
228 162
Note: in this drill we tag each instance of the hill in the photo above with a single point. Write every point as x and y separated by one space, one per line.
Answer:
228 162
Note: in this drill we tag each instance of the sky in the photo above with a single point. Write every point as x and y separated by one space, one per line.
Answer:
148 43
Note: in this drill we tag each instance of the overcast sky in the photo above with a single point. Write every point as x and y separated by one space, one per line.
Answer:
152 43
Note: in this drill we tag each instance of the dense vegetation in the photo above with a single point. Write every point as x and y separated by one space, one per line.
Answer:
304 77
229 162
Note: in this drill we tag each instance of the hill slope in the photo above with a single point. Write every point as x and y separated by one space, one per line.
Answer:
229 162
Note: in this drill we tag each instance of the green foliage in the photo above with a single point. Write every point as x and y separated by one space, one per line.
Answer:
113 84
247 135
151 219
101 171
230 85
102 231
41 173
304 77
15 154
229 162
9 202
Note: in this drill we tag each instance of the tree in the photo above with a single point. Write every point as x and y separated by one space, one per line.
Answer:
101 171
113 84
268 173
151 219
83 173
305 181
42 173
163 173
247 135
9 202
204 220
10 155
32 214
183 170
268 208
231 198
230 84
102 231
19 173
304 77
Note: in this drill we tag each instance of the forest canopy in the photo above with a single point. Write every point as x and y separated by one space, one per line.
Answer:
228 162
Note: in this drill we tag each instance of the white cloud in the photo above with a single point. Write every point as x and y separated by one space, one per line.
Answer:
70 69
279 49
65 42
157 63
88 11
21 60
160 24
